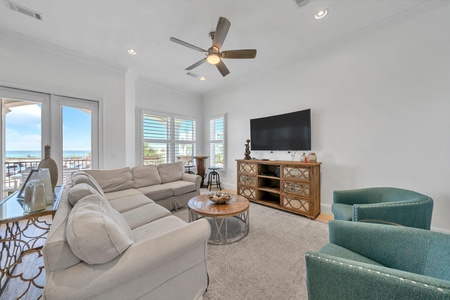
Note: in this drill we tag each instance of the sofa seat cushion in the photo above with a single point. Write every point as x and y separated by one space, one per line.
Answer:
156 228
130 202
79 191
335 250
145 214
156 192
96 232
122 194
145 176
342 212
113 180
180 187
171 172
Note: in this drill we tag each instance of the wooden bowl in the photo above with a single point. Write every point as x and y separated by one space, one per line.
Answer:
219 198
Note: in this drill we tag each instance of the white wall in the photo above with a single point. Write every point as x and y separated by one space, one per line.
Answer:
380 111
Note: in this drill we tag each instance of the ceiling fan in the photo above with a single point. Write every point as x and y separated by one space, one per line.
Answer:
213 55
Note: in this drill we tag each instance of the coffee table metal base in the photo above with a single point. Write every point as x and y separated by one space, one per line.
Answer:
225 230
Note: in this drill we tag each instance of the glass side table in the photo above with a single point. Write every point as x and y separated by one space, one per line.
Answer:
22 234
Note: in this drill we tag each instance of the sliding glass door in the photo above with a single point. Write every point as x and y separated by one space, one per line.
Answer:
31 120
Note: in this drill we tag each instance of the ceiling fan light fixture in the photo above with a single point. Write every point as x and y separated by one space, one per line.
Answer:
321 14
213 58
132 51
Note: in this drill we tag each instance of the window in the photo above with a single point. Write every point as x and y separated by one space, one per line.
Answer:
166 137
217 141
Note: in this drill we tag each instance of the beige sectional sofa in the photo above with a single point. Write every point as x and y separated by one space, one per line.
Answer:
111 240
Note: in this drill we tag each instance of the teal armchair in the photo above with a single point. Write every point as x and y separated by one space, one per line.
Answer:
374 261
383 205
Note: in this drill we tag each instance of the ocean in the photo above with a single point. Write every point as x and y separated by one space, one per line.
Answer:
37 154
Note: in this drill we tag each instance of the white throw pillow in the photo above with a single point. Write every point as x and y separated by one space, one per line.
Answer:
96 232
79 191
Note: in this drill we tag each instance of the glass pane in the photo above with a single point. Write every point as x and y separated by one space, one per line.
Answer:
22 141
77 139
216 154
155 153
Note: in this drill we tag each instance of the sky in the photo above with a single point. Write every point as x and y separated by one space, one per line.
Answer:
23 128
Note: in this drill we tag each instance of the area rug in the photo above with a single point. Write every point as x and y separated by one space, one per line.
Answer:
269 263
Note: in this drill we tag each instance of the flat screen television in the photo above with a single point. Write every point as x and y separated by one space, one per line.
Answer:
291 131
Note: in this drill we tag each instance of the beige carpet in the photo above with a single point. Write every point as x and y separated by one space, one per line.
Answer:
269 263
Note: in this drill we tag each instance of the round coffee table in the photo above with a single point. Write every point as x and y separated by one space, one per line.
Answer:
229 221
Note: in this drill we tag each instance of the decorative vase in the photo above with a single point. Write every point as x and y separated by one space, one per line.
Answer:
44 176
34 199
312 157
49 163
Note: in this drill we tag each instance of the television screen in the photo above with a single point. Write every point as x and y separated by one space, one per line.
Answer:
291 131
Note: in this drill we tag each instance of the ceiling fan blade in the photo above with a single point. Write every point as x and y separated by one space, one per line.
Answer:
244 53
222 69
196 64
223 25
183 43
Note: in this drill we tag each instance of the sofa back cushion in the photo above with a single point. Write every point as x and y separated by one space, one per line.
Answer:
96 232
171 172
113 180
79 191
82 177
145 176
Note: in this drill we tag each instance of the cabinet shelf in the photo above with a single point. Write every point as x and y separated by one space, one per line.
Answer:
269 189
297 189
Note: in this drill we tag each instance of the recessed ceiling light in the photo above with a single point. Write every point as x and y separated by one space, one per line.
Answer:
132 51
202 78
321 14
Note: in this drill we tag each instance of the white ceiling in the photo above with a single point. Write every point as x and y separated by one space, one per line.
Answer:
279 29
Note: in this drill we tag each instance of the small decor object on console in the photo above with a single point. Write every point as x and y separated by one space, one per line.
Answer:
312 157
219 198
49 163
247 150
303 158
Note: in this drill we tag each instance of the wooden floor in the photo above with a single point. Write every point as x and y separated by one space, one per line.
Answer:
31 264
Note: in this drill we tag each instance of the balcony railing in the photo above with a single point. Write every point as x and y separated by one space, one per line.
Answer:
16 171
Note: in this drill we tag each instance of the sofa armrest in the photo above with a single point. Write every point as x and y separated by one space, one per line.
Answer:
414 213
83 281
193 178
330 277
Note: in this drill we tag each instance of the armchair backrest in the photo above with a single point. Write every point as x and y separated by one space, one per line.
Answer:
374 195
409 249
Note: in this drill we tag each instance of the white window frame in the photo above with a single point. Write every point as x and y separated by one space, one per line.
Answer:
170 141
212 162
